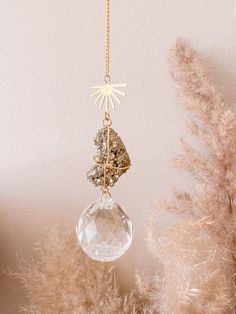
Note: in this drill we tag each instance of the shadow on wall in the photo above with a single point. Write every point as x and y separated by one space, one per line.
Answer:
223 76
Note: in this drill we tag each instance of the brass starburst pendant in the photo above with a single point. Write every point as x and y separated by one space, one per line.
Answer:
107 95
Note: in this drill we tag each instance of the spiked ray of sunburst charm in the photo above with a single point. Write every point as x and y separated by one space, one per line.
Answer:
107 95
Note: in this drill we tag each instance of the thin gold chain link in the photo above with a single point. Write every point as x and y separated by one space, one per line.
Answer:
107 44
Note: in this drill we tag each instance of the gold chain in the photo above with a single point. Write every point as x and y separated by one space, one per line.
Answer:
107 45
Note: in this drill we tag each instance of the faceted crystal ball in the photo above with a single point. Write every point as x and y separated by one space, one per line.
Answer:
104 230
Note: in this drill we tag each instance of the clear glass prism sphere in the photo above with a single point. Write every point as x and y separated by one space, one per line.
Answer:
104 230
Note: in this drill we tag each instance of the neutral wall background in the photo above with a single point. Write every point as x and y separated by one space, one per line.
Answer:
51 51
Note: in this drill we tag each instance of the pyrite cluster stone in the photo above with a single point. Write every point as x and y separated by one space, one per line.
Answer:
111 155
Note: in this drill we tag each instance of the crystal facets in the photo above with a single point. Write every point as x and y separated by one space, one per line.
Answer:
104 230
118 158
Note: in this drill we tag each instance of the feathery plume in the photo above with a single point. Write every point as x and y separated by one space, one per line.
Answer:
193 235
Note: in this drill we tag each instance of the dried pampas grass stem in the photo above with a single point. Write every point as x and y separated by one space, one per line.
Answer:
196 250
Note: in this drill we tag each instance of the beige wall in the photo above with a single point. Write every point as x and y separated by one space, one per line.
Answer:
51 51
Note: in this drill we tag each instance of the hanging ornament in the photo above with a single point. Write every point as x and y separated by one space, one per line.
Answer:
104 230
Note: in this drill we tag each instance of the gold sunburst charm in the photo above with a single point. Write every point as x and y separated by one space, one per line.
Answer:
107 95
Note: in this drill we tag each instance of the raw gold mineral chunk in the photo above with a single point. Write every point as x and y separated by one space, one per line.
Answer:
111 156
